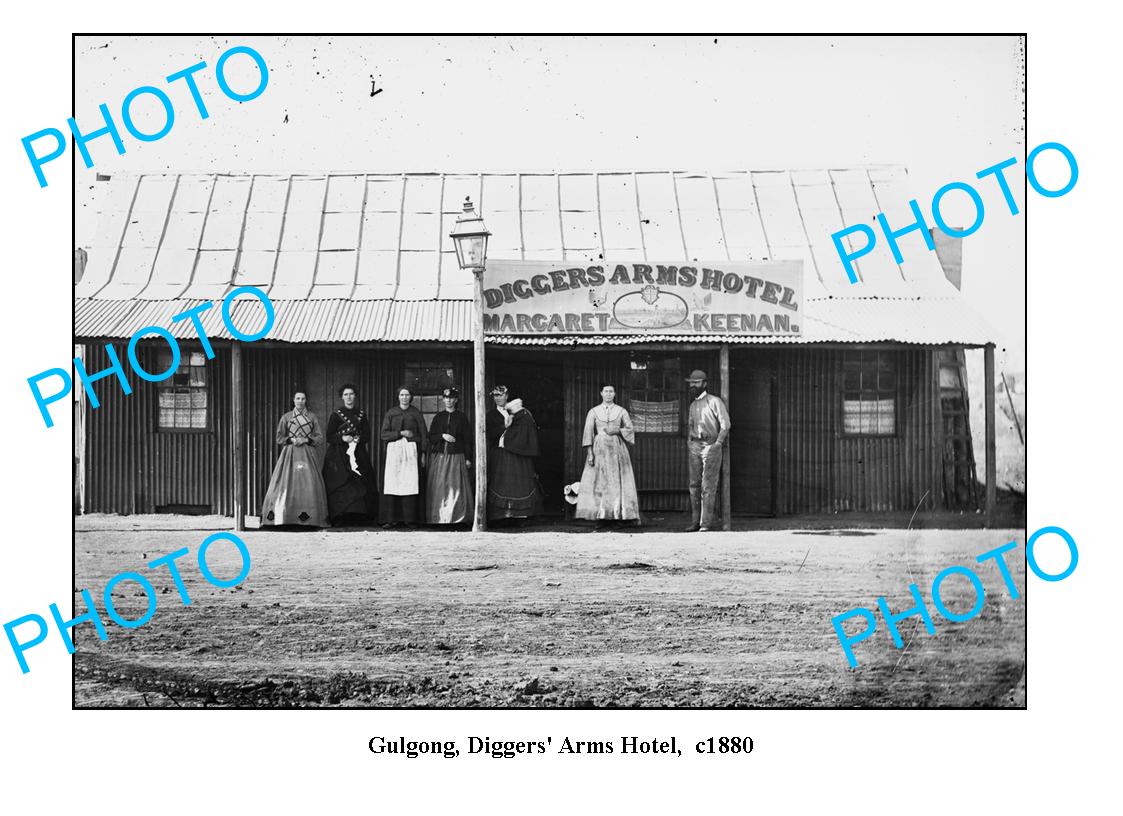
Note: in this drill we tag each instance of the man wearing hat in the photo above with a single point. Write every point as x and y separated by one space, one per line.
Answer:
706 428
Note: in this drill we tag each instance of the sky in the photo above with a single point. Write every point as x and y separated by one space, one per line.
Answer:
944 107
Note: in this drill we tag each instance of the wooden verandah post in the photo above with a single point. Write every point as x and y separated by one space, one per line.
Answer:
726 393
79 406
479 522
992 469
238 423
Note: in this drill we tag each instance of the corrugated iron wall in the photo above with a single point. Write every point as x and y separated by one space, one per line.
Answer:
820 470
273 373
805 428
131 467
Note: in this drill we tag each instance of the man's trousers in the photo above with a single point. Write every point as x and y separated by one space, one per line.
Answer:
705 470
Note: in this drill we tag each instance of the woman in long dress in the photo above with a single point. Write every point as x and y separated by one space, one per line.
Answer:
608 485
348 475
296 491
448 492
512 485
402 432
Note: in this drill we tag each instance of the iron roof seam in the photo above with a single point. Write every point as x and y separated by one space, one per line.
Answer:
806 234
121 238
163 232
881 211
202 236
390 317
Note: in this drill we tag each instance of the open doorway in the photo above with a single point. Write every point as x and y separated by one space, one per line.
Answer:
538 379
753 439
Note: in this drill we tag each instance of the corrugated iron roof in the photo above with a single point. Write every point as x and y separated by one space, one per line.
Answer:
361 257
295 321
929 321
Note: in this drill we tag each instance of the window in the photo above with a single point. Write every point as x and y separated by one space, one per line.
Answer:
426 382
655 389
869 393
183 396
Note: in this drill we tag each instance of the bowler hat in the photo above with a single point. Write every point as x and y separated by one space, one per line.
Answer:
697 374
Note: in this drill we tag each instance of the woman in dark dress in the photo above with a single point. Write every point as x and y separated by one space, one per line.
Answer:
512 435
348 475
402 434
448 492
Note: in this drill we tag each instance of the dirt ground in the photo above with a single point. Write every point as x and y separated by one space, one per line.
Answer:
551 618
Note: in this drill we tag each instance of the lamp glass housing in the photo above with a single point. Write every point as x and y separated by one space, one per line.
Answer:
469 237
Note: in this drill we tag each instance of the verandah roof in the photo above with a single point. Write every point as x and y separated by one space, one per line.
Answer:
352 257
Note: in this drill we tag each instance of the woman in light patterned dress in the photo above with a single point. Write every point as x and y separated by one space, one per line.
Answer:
608 484
296 492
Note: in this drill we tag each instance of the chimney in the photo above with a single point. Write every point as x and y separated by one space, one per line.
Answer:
79 265
950 252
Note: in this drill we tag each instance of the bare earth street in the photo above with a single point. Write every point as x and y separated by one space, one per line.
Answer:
557 619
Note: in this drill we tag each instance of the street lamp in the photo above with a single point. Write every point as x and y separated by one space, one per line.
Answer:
469 236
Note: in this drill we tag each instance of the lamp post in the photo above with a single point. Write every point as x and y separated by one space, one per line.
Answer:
469 236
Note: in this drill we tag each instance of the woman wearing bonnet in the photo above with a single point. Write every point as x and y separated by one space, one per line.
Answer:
448 491
512 437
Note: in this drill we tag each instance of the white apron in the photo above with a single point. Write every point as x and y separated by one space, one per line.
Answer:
401 468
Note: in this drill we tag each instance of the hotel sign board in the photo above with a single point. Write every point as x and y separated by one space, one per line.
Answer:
720 298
